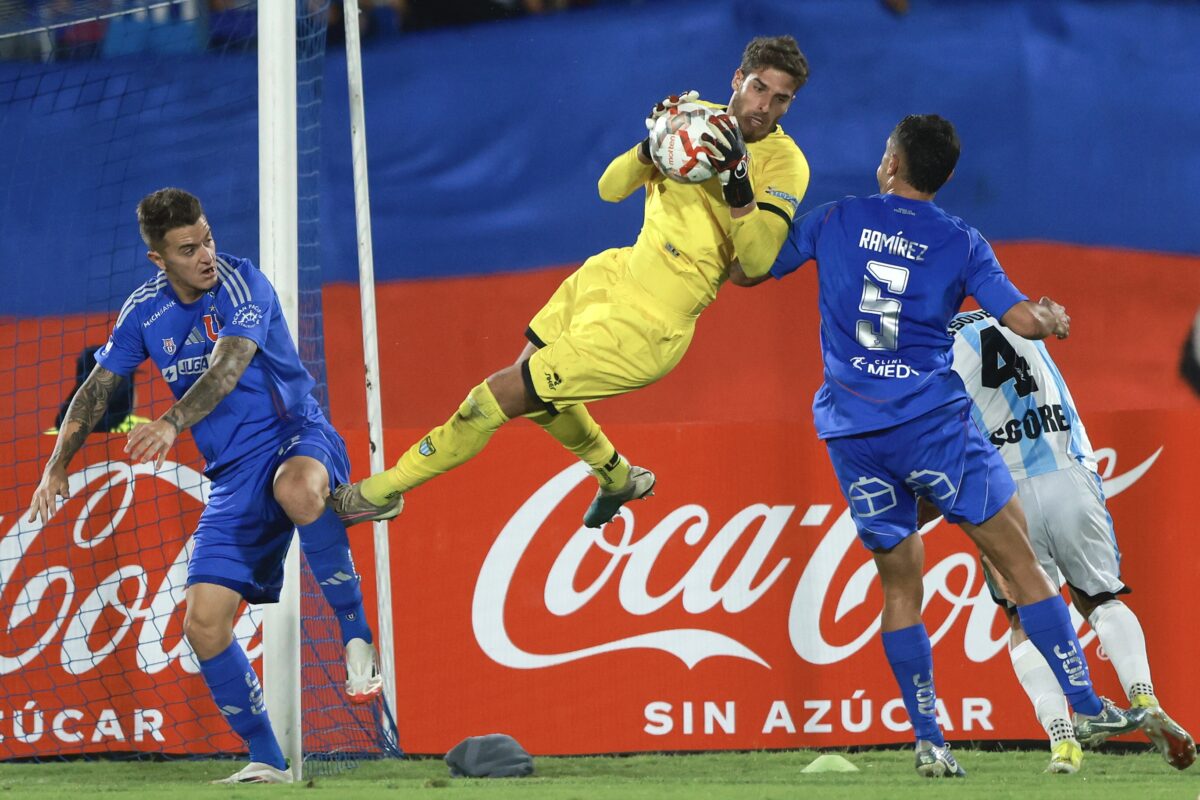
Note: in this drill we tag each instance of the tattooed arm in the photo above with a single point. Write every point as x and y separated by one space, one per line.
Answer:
230 358
150 442
86 409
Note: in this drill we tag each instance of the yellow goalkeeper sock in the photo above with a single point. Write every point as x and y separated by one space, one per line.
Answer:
443 449
579 433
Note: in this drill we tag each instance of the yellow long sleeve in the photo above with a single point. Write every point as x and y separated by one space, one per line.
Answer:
757 238
625 175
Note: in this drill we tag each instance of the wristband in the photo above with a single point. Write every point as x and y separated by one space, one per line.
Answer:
737 190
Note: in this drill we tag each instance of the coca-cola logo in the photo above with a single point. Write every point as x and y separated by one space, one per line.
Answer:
955 579
75 589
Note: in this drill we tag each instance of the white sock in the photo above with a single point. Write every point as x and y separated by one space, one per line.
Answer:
1045 694
1123 640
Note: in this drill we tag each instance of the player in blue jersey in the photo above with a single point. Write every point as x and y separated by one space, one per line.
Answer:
893 269
212 325
1024 408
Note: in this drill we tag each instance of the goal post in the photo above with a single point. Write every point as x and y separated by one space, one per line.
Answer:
366 285
142 96
278 254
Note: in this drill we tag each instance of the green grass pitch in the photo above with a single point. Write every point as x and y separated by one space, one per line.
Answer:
737 776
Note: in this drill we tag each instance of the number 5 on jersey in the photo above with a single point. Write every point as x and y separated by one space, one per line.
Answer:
888 308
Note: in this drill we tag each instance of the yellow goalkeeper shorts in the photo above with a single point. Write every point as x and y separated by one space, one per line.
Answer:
601 335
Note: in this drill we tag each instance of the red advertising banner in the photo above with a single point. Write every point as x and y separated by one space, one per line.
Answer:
735 608
92 653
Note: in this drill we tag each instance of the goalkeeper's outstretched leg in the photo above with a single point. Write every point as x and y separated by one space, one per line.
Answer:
625 318
489 405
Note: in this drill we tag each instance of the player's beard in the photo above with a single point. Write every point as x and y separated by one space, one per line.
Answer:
752 130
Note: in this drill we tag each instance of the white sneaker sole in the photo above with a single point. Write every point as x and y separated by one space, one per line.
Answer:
257 772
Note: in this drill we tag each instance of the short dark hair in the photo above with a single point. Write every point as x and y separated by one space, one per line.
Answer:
165 210
931 149
780 52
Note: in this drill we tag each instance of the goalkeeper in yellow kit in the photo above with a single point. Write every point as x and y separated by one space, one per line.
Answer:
625 318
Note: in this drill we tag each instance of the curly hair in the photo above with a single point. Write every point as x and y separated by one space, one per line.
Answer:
780 52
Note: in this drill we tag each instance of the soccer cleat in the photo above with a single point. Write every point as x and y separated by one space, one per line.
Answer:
934 761
363 681
606 503
1176 745
1111 721
258 772
1065 758
352 508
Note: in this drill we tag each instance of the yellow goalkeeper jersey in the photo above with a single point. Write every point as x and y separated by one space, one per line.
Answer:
689 240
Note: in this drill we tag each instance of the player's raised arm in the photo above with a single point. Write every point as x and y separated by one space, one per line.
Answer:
630 170
1038 320
231 356
85 410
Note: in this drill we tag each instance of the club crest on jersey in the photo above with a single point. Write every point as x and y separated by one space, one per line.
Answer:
248 316
212 326
169 345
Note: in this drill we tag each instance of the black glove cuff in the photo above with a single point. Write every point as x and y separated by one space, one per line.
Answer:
644 151
738 191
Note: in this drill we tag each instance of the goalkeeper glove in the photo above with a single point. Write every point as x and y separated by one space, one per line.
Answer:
727 151
662 107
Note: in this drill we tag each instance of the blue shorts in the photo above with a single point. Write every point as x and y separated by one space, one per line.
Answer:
940 456
243 534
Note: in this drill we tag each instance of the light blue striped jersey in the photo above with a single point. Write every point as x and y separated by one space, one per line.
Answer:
271 400
1021 401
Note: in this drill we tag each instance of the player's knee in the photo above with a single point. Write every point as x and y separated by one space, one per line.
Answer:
208 635
299 498
509 394
1024 578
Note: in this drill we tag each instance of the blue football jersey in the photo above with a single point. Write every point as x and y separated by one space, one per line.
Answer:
891 273
271 400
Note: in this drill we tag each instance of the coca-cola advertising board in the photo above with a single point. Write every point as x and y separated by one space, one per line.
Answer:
733 609
92 653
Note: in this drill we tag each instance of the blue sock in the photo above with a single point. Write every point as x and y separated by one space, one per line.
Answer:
236 690
911 658
1048 625
327 549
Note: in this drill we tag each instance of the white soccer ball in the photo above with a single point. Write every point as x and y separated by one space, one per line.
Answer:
675 144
